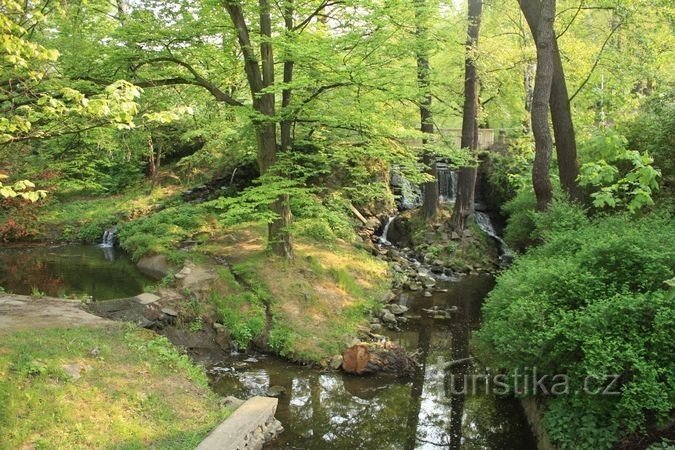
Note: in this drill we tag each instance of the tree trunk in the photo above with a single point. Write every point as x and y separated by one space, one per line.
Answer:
563 127
369 358
466 180
286 94
430 205
259 77
540 106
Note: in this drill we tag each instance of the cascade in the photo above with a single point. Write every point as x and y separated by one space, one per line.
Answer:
447 183
385 231
109 237
484 223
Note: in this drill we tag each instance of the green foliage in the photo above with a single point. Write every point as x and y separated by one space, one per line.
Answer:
520 224
590 302
21 189
623 178
243 314
163 231
510 173
652 132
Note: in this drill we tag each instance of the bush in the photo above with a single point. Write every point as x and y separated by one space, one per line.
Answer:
591 301
520 225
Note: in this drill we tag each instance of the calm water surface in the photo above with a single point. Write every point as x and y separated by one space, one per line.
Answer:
326 410
70 270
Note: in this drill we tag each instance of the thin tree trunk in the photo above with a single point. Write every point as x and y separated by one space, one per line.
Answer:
540 106
430 205
561 115
286 94
466 180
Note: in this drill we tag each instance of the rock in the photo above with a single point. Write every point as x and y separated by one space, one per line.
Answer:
388 316
75 371
146 298
276 391
388 297
251 360
415 287
156 266
184 272
335 362
397 309
467 233
170 312
219 327
375 327
454 236
231 402
427 294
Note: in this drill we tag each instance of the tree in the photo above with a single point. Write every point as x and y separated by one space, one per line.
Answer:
561 114
430 204
260 77
466 182
543 80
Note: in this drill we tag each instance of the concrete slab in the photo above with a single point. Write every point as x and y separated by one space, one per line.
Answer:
23 312
247 428
146 298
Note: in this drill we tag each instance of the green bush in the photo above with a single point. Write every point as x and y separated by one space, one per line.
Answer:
520 225
591 301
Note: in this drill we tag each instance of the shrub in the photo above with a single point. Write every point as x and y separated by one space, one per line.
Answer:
591 301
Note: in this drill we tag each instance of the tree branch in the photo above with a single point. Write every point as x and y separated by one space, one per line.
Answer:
597 61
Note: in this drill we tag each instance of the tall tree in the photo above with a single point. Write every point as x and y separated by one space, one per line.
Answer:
543 80
260 77
430 205
466 182
563 126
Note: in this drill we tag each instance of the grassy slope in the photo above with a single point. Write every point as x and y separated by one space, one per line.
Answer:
313 304
135 393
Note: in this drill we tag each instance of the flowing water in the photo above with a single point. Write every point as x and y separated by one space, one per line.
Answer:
327 410
70 270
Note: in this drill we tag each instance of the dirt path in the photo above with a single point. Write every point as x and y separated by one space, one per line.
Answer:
22 312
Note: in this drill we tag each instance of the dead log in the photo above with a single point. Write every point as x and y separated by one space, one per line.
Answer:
381 357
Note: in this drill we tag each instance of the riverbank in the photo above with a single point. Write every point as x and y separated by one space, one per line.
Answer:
103 385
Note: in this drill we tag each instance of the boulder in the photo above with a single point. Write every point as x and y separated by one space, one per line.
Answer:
397 309
335 362
388 316
156 266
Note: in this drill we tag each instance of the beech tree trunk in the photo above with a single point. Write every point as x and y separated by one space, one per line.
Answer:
430 205
466 181
259 77
540 106
561 115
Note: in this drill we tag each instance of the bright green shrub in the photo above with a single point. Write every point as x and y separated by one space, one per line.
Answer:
520 222
591 301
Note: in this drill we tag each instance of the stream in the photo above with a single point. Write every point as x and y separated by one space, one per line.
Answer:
329 410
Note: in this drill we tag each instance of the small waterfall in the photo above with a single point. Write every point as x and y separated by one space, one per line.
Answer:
385 231
109 237
484 223
447 183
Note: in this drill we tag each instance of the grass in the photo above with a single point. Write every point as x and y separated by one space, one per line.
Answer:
84 219
309 307
134 391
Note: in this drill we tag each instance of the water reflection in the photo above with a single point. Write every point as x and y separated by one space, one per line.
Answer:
70 270
332 411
